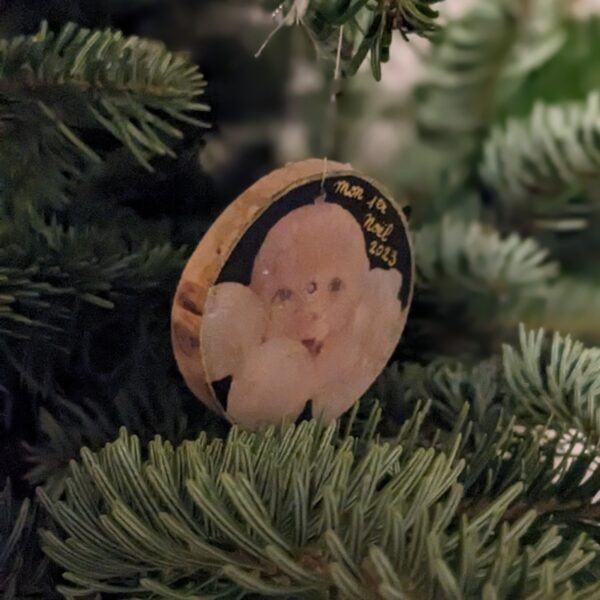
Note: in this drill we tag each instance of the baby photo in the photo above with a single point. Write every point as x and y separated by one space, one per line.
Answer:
316 324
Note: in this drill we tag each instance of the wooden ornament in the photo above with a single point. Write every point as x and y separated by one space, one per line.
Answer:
295 299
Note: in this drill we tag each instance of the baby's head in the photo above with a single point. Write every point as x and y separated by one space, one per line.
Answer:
310 273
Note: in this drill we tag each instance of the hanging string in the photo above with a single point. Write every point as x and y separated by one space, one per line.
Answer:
271 35
338 61
324 172
331 116
294 16
322 197
328 141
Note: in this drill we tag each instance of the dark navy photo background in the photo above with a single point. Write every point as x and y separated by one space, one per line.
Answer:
240 263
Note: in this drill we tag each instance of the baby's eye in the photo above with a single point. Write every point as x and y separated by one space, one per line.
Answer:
336 284
283 294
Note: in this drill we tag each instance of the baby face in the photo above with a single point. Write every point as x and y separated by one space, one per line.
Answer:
311 273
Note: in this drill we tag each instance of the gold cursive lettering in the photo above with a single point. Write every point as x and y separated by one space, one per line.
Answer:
381 230
386 253
377 203
356 192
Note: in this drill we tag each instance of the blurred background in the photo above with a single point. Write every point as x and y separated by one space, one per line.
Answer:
274 108
266 110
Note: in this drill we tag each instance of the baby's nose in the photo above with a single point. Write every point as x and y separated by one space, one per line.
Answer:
312 325
310 317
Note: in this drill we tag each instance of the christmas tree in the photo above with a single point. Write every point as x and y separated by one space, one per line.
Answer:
470 468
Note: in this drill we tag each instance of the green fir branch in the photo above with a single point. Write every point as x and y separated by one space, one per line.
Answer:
558 381
560 475
576 57
484 435
470 263
24 571
36 160
542 162
73 296
480 56
212 517
573 306
145 407
449 385
48 271
365 28
79 80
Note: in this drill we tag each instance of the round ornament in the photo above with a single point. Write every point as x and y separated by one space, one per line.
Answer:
296 298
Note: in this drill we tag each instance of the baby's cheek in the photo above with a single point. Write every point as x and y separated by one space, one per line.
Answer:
341 310
299 320
341 352
282 319
337 309
343 374
379 320
281 325
385 283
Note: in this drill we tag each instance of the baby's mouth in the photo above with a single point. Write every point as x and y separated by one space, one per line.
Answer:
313 346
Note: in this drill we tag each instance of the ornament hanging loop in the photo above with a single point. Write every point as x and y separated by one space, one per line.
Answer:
322 197
329 131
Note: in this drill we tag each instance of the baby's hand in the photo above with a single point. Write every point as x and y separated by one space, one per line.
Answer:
274 383
234 324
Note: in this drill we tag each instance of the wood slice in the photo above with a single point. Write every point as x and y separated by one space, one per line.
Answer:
296 297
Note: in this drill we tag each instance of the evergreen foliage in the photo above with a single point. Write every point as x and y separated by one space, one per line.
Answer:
57 270
364 28
470 469
68 426
83 79
549 157
572 305
560 381
369 518
492 467
495 44
23 568
490 149
457 259
51 269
